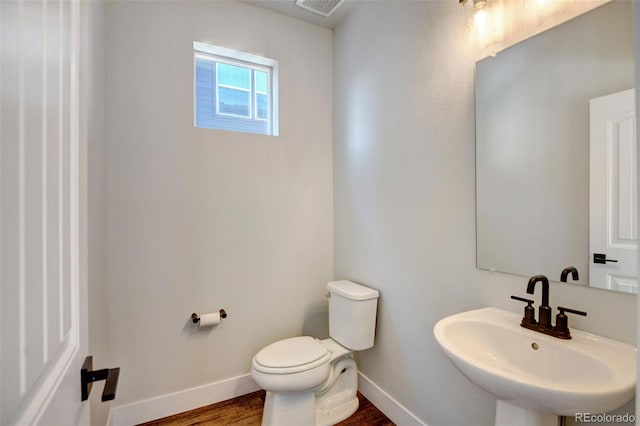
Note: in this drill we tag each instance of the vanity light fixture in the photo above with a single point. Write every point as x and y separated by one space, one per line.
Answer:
478 4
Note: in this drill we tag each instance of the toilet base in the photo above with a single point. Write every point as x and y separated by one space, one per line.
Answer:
298 409
337 414
340 400
289 408
324 406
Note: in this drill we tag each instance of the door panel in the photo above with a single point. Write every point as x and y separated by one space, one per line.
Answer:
43 324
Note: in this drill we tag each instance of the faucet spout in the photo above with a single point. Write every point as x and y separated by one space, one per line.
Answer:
545 287
566 271
544 310
544 325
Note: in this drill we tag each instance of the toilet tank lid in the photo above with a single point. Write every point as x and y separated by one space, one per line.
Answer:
352 291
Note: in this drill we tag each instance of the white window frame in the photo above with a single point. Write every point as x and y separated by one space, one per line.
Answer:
256 93
247 60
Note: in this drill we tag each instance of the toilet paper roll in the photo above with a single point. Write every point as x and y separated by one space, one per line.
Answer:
208 320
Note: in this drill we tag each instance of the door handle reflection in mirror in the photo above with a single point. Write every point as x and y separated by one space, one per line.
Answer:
602 258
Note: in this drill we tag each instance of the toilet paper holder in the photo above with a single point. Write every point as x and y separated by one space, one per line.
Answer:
195 318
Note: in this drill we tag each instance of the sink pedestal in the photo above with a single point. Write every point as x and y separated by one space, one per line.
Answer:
509 415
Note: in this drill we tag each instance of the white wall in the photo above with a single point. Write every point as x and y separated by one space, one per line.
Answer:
202 219
405 204
93 110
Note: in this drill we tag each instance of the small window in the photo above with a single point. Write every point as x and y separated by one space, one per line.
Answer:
235 91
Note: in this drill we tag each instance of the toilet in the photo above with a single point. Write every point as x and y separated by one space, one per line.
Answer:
312 382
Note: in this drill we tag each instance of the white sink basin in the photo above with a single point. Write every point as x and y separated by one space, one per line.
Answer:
587 374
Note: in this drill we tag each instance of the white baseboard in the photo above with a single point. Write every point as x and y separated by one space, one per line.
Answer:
391 408
109 418
178 402
189 399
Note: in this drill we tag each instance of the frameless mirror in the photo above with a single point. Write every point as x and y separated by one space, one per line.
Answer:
556 153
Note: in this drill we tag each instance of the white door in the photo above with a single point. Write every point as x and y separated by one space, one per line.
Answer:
42 252
613 224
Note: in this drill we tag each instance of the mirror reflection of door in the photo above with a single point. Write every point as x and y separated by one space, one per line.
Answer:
612 212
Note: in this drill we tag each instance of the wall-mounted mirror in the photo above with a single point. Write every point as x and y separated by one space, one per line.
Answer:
556 153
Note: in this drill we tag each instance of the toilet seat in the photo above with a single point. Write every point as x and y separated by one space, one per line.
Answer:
291 355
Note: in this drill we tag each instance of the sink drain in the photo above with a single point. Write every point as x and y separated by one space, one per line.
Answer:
534 346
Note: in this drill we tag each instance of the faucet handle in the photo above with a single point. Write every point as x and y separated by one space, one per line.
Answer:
562 322
562 310
529 312
522 299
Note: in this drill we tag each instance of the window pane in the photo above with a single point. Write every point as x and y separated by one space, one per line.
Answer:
231 75
261 82
231 101
262 106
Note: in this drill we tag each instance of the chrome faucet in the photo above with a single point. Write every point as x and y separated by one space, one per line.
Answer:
543 325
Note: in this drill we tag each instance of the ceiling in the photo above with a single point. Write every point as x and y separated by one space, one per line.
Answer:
287 7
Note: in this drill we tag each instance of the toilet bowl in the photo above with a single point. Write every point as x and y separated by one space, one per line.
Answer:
291 365
311 382
308 382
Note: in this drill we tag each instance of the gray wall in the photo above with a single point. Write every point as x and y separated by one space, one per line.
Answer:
202 219
404 160
636 28
404 194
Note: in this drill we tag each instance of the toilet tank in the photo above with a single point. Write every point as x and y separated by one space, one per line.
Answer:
352 314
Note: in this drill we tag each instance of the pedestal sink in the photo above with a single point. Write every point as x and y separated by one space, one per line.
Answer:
534 376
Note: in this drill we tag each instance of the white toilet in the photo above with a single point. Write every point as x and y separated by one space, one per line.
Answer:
314 382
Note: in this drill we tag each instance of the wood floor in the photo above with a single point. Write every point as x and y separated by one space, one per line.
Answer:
246 410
